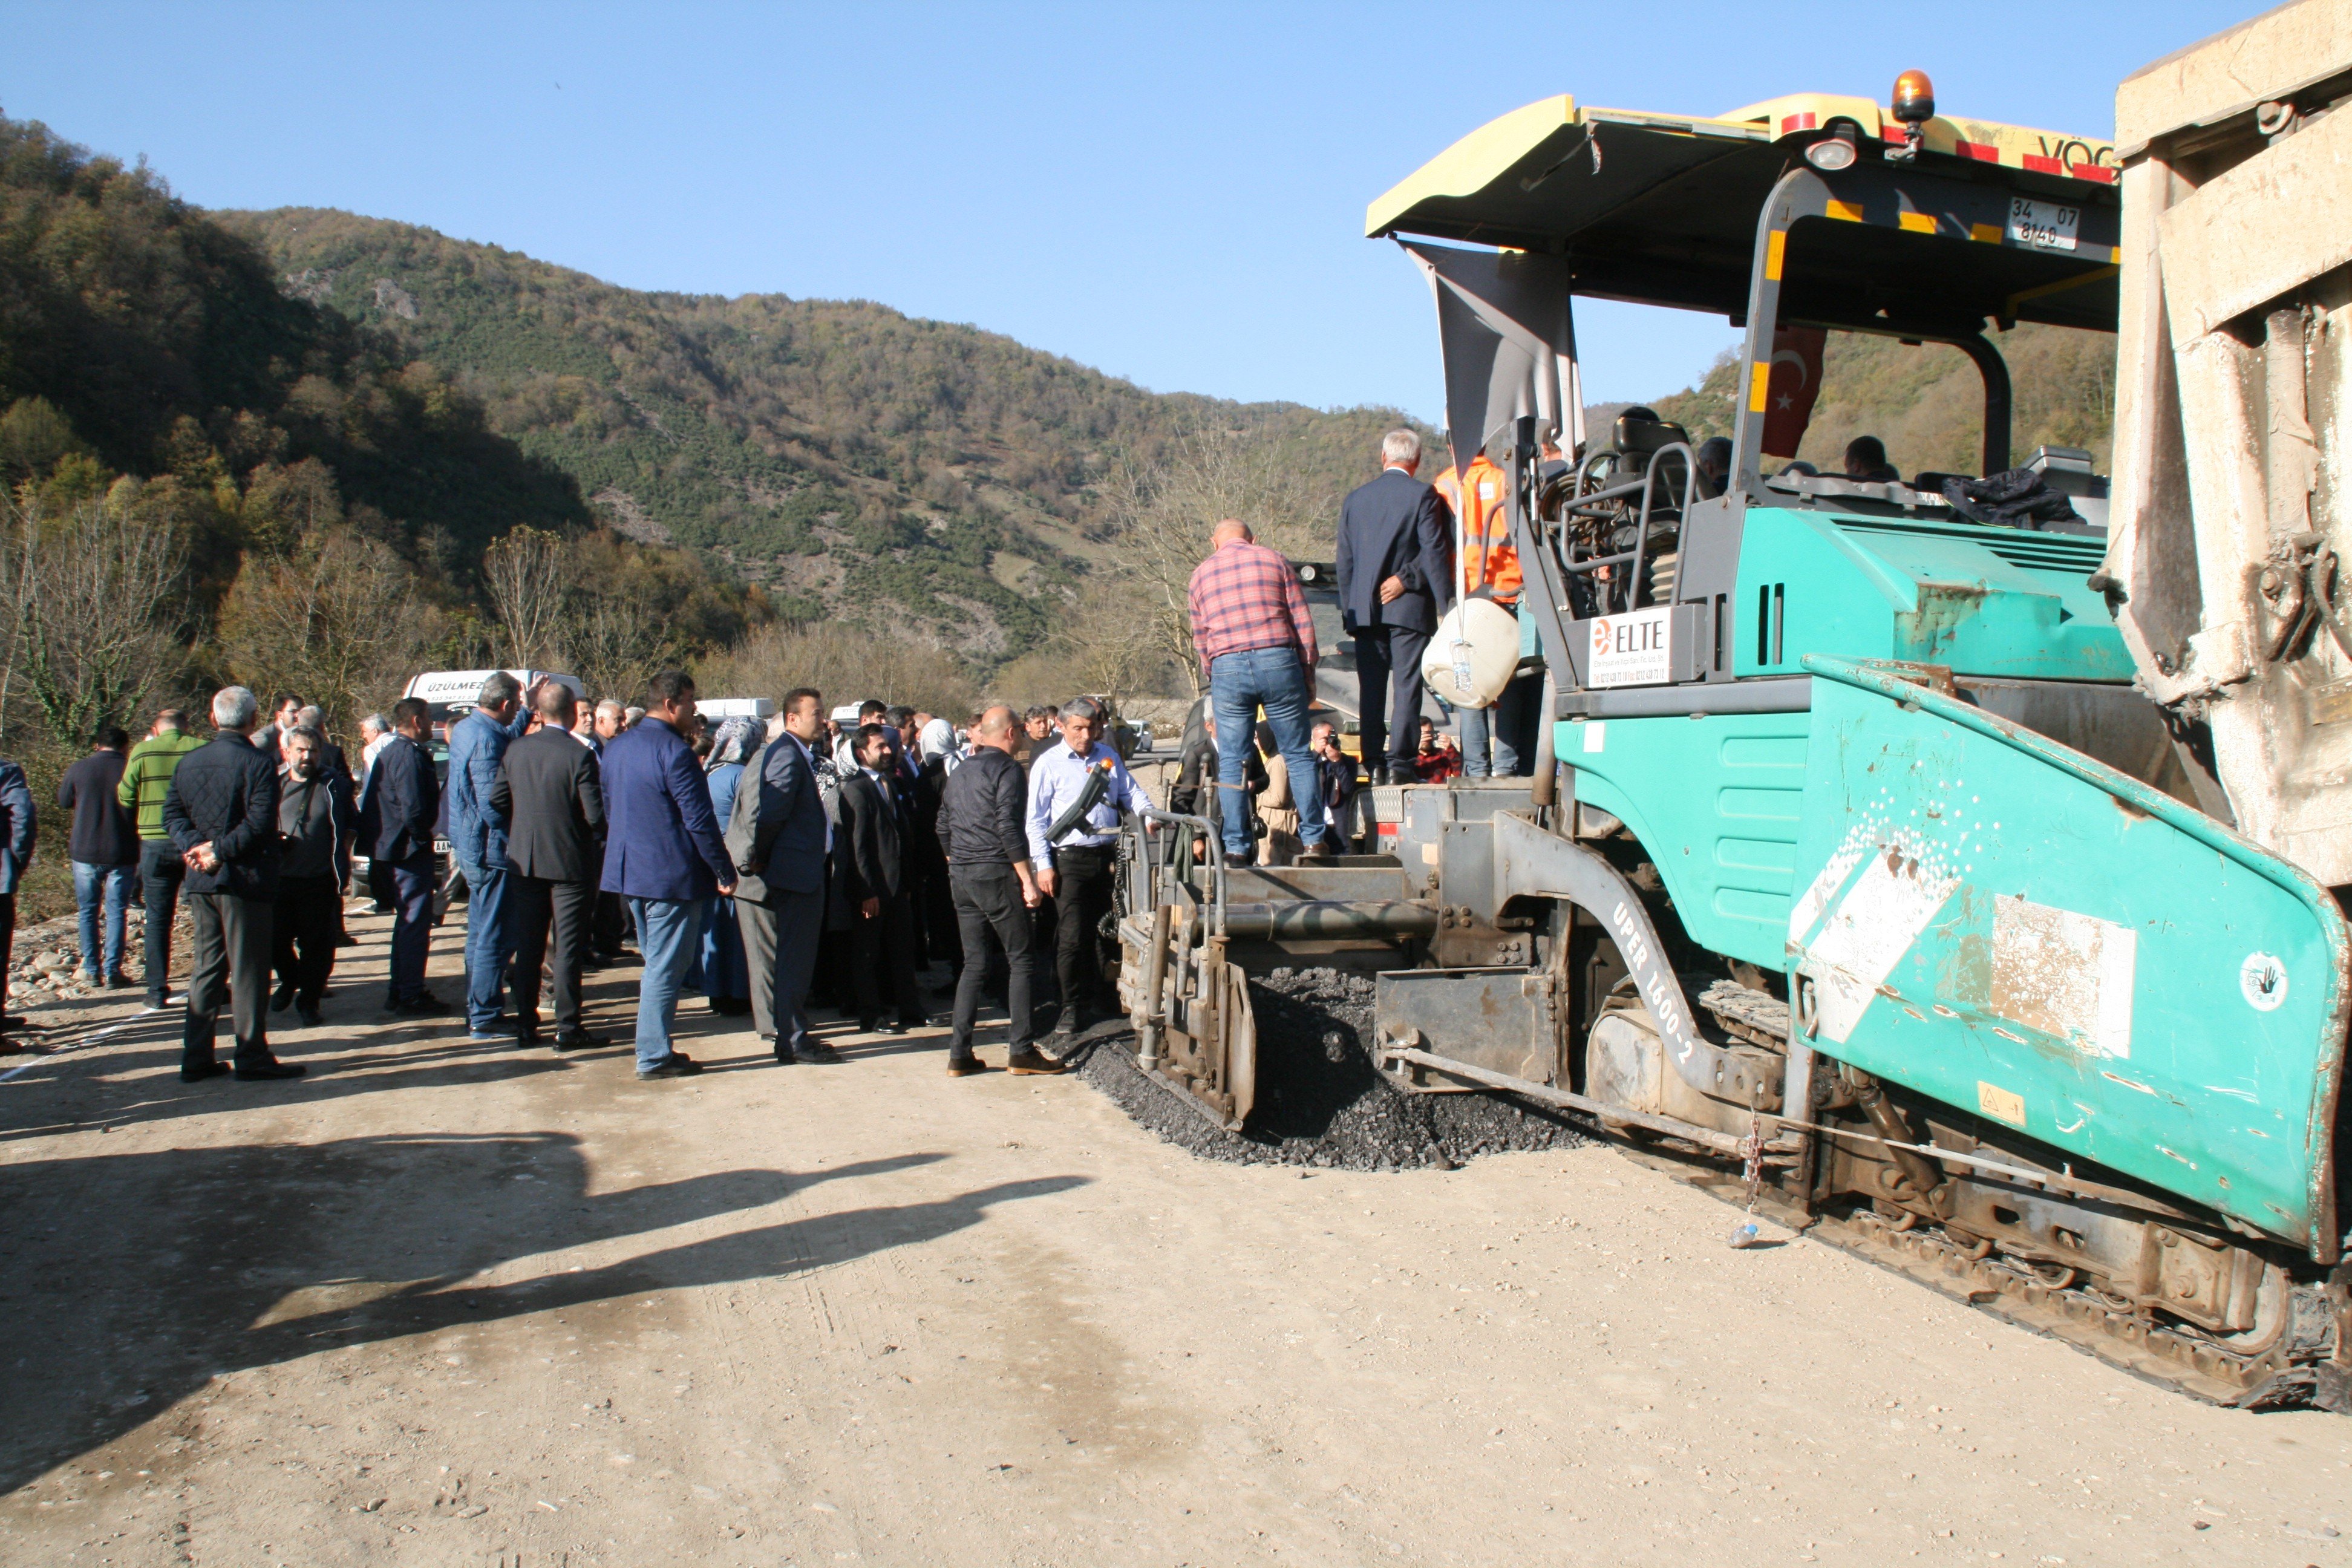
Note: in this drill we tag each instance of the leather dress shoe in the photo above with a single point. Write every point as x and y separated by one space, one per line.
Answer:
270 1070
576 1040
678 1064
213 1070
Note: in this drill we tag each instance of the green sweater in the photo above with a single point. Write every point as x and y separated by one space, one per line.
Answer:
148 774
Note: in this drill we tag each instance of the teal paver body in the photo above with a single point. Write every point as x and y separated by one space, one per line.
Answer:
1979 913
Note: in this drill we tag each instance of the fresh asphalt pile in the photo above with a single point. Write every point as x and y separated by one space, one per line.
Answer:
1320 1102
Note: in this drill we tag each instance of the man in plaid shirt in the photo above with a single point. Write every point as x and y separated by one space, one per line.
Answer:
1256 645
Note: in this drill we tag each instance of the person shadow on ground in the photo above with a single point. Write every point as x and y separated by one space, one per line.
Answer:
150 1273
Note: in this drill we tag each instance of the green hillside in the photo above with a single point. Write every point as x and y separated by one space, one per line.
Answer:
845 458
138 337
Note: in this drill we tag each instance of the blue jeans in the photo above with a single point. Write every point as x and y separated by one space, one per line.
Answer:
113 883
489 945
1239 684
412 925
667 932
1510 721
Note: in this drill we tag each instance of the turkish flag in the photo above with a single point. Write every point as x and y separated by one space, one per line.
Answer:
1789 393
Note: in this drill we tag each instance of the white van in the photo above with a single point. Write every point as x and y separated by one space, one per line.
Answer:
717 708
450 694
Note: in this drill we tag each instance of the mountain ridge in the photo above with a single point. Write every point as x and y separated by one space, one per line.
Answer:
827 452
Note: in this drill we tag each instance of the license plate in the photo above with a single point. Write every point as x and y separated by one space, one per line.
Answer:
2044 225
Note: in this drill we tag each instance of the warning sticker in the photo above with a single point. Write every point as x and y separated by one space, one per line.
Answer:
2000 1104
1632 649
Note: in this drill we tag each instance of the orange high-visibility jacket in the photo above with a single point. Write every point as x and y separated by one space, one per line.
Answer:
1478 502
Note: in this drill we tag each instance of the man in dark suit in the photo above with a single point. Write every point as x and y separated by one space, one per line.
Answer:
404 800
222 811
1396 577
550 793
664 855
789 838
876 879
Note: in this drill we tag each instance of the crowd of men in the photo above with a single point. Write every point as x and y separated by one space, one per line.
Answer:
772 865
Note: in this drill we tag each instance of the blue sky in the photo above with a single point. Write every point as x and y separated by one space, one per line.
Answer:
1172 194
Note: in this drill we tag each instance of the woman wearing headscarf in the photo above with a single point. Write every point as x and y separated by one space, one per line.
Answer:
1277 808
725 978
935 742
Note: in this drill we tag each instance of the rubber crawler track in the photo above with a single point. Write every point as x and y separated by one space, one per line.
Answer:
2150 1353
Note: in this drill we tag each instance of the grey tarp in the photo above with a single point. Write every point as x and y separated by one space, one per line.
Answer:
1509 338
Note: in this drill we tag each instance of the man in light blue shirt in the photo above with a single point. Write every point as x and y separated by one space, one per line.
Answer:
1074 868
477 840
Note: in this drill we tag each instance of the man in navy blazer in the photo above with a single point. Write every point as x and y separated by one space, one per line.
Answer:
788 852
1396 577
404 800
663 854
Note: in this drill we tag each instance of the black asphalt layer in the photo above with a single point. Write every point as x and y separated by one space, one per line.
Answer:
1320 1102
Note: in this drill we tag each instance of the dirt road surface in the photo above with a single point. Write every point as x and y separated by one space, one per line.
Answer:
446 1304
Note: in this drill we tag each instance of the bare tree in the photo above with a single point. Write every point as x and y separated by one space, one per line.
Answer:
846 663
1165 510
614 637
92 599
1094 647
524 571
338 619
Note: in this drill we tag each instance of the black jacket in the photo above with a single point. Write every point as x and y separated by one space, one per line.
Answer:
314 843
1394 527
549 791
403 801
983 810
870 861
226 792
103 832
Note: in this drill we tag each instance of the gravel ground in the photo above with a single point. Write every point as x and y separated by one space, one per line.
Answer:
1320 1102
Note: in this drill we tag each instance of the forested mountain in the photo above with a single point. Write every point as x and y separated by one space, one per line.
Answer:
138 337
843 457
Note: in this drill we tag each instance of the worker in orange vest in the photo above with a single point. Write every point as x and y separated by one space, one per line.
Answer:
1478 499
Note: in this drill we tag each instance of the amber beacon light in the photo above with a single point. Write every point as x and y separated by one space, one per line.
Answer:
1915 105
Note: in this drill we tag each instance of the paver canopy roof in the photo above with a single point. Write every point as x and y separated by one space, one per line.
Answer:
1663 209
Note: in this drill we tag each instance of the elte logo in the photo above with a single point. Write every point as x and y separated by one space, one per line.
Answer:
1600 635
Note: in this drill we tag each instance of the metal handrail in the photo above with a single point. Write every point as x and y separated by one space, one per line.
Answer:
1216 858
1647 484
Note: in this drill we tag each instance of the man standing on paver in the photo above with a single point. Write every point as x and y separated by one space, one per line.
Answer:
222 811
663 854
145 778
477 840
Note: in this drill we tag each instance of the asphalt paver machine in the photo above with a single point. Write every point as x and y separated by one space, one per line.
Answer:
1858 877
